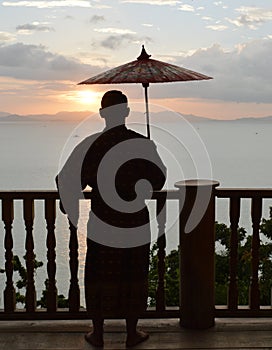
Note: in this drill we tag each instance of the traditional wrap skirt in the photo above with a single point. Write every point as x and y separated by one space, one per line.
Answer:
116 280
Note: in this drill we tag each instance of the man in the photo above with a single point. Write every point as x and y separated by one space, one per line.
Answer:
122 167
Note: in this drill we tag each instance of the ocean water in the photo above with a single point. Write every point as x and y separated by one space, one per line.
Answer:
237 154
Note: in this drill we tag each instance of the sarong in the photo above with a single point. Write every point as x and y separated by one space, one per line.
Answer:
116 280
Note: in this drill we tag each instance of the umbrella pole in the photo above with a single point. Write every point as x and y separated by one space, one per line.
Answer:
146 85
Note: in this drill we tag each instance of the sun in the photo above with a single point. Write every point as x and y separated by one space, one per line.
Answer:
86 97
80 99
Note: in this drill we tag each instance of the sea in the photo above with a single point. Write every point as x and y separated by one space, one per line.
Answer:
235 153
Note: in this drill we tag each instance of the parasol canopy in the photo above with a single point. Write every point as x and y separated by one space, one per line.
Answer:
145 70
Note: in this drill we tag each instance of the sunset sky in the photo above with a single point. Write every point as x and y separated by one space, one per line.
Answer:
47 47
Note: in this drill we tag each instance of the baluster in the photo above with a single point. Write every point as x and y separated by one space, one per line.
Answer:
50 217
256 212
9 293
233 282
30 256
161 218
74 293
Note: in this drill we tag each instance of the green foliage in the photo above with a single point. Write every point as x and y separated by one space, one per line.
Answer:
244 263
153 275
21 283
222 237
62 302
266 226
17 266
171 277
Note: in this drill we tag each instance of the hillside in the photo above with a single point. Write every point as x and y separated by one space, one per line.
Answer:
165 116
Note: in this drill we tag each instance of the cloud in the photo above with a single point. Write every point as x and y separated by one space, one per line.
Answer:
207 18
187 8
240 75
220 3
117 37
217 27
113 42
114 31
97 19
49 3
38 88
33 27
6 37
153 2
251 17
69 17
33 62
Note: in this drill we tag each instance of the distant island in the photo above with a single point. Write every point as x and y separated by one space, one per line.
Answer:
60 116
163 116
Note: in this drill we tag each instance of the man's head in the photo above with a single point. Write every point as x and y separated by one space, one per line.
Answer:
113 97
114 107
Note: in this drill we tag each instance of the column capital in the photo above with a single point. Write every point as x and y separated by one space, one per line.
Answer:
196 183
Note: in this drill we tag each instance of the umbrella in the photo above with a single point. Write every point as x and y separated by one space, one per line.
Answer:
145 70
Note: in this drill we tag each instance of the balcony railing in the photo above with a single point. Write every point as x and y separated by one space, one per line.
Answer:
256 197
196 308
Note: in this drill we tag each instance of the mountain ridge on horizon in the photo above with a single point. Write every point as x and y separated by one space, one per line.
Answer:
81 115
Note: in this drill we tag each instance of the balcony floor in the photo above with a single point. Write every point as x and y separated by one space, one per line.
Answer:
164 334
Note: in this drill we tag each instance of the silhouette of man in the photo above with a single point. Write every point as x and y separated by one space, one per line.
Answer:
122 167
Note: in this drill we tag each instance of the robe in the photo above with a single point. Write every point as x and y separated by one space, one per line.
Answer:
122 167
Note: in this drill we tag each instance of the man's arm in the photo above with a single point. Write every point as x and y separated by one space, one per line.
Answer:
69 181
157 170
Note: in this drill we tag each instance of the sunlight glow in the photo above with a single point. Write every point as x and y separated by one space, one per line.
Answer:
87 97
84 97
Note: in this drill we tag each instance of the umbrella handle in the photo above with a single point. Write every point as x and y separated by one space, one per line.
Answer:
146 85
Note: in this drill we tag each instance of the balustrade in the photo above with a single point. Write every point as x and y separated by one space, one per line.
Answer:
256 196
196 309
